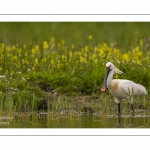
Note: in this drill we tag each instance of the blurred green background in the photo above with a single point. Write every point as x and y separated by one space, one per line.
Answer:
124 33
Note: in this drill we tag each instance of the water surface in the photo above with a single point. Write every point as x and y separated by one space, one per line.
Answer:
83 121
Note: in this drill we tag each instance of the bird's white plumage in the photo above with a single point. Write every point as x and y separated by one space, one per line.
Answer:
121 88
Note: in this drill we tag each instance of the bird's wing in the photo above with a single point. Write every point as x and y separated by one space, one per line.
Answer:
132 88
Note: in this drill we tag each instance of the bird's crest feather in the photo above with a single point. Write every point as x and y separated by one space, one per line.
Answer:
117 71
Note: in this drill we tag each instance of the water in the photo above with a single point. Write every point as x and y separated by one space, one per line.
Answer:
83 121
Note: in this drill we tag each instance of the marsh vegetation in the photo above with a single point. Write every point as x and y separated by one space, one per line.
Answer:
58 68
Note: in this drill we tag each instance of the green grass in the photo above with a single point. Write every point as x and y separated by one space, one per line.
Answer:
59 66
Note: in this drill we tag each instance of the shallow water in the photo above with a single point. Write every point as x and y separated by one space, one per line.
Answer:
83 121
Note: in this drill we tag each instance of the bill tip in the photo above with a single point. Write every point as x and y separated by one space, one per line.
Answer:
103 89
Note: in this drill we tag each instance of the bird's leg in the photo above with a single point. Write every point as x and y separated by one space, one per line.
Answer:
118 103
119 109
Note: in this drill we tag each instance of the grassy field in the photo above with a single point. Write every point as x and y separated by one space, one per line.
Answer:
59 67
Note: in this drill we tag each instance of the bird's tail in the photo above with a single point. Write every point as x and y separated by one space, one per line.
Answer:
143 89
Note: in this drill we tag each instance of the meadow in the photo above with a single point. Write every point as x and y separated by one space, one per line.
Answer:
59 67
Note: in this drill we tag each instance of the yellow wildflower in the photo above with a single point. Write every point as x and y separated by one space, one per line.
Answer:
90 37
62 42
13 47
82 60
8 48
137 51
6 71
45 45
70 55
58 65
52 40
59 45
86 48
33 51
95 49
102 53
36 61
78 53
52 61
141 42
116 76
94 56
125 57
3 45
15 57
72 46
19 50
37 47
44 60
26 54
95 61
63 57
138 62
24 46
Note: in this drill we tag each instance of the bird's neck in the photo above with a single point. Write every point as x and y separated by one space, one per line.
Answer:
109 79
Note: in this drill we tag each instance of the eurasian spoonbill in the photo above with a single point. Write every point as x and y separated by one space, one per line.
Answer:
121 88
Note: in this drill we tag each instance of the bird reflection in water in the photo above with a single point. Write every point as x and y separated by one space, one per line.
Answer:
129 122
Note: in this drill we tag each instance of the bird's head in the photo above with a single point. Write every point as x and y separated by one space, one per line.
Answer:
110 67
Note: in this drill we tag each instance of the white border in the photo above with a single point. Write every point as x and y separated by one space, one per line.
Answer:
76 132
74 143
74 18
74 7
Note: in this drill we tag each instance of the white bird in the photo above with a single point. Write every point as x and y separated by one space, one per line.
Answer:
121 88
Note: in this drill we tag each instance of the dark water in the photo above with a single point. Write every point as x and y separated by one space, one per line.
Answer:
85 121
